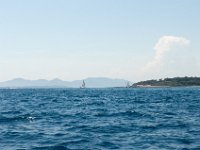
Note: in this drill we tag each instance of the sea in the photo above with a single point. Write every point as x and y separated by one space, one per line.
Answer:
100 119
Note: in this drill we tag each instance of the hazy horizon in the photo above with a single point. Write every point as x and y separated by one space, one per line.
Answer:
98 82
51 79
73 40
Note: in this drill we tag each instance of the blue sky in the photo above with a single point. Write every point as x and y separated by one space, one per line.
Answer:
90 38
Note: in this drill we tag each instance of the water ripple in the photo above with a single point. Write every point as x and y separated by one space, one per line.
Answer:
71 119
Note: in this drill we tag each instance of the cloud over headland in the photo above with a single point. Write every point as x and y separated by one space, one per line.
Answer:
164 45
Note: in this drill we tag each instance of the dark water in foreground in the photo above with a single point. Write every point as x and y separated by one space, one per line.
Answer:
100 119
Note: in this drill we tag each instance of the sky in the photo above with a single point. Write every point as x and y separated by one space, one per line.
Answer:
75 39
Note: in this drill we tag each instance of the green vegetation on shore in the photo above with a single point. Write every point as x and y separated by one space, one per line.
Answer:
177 81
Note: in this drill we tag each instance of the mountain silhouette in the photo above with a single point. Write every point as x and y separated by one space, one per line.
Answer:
93 82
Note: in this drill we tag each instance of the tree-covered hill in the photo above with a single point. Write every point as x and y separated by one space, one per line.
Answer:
177 81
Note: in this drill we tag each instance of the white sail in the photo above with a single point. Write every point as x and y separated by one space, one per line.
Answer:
127 85
83 84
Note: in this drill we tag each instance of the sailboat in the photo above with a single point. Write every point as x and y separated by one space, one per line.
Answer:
128 85
83 85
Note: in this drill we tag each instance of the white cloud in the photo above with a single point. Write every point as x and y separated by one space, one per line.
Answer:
164 45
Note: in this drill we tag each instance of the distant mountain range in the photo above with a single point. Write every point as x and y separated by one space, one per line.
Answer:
100 82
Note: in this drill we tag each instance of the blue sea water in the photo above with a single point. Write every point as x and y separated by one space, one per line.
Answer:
115 118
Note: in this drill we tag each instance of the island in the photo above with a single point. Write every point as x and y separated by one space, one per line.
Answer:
169 82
